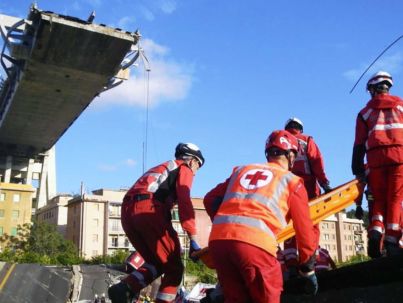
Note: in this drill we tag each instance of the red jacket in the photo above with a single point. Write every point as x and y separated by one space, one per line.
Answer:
273 202
309 164
170 183
379 133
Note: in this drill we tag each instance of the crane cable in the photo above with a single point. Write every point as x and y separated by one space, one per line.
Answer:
373 62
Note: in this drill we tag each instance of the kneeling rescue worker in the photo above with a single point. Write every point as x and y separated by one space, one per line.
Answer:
248 210
146 220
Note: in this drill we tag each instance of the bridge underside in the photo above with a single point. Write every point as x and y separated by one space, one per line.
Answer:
58 65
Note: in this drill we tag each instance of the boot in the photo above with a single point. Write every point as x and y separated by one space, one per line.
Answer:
121 293
374 244
392 249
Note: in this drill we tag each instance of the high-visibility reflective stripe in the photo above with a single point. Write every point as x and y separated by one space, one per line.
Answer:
393 226
139 277
377 218
161 177
399 107
377 228
165 296
303 157
151 268
269 203
391 239
366 115
322 266
256 223
386 127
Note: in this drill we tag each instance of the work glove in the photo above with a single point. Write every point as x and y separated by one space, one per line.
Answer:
311 283
359 213
193 248
326 187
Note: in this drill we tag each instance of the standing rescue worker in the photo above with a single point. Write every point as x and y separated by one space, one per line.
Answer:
309 165
248 210
379 136
146 220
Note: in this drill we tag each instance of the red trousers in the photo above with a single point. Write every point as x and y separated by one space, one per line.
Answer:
386 184
148 226
246 273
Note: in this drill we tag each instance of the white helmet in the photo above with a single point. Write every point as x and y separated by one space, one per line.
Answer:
380 77
294 120
189 150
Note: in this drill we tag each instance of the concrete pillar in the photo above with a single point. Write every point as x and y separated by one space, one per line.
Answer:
30 168
340 236
51 177
8 168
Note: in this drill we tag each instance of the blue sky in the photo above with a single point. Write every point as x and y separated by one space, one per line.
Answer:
224 74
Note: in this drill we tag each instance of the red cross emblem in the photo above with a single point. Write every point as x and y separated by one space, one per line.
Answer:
256 178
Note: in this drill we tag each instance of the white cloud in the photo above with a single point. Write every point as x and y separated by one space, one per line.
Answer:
391 64
147 13
167 6
170 81
131 162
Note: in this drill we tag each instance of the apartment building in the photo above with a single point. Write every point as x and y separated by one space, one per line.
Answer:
15 207
203 224
343 237
55 213
93 223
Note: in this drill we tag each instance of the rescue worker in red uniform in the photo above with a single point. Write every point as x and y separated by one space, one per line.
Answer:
323 261
248 210
309 165
146 220
379 136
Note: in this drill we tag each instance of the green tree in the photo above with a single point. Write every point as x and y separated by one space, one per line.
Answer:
39 243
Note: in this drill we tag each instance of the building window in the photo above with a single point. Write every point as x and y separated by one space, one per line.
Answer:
95 238
115 241
16 198
1 213
1 230
127 243
175 215
115 225
13 231
2 197
16 214
326 236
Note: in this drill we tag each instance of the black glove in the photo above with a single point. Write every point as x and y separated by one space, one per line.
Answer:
193 248
326 187
359 213
311 283
292 272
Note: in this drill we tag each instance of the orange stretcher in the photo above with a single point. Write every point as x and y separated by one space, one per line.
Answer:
320 208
